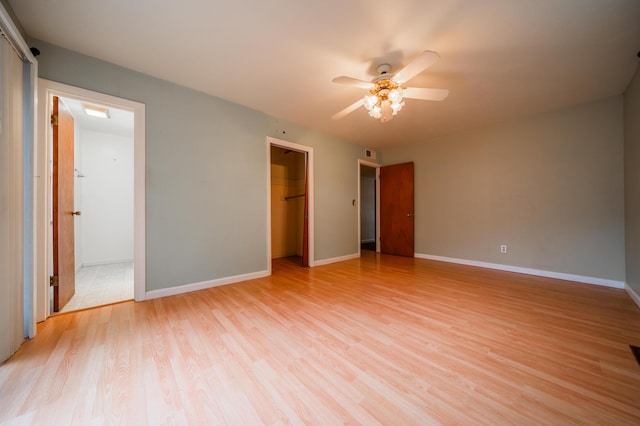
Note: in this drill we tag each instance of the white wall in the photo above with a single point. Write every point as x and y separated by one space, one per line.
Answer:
77 197
106 197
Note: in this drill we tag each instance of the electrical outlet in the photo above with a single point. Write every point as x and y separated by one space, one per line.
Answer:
503 248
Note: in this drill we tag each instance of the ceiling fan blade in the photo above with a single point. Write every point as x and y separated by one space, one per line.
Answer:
415 67
425 93
353 82
354 106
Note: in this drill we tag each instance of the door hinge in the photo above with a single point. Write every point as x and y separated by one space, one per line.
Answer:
54 281
54 120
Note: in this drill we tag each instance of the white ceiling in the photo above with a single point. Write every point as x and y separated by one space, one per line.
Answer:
120 122
501 59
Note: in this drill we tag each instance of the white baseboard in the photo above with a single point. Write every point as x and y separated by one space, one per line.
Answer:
528 271
336 259
172 291
107 262
634 296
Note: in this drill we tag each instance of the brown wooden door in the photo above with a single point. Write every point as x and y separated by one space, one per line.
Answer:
62 200
396 209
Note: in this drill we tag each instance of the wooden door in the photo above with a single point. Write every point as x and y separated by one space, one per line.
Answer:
396 210
62 200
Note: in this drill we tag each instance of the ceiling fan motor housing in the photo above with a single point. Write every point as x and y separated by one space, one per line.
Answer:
383 87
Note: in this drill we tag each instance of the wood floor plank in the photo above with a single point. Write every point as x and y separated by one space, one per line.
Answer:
375 340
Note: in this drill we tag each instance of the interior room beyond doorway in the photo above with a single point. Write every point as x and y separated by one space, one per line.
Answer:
103 197
368 217
288 175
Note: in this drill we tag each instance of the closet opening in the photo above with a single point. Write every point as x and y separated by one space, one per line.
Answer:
289 205
290 235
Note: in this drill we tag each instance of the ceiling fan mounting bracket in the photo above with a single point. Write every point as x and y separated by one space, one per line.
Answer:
383 73
383 69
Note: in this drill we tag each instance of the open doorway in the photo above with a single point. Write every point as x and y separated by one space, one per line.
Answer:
290 189
368 219
107 175
103 205
288 197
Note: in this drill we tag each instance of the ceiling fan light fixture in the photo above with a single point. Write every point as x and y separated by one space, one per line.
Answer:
396 107
387 91
384 100
395 95
387 111
370 101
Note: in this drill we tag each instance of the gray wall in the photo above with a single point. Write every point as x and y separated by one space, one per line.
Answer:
206 174
632 181
550 187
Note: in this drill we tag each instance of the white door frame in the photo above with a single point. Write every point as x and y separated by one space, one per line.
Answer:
309 153
46 90
377 167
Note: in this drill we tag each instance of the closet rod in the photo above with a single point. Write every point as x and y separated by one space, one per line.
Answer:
293 196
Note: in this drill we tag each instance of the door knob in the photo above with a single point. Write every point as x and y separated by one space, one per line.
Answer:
409 214
75 213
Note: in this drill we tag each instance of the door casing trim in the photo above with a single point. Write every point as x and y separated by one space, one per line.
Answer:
42 262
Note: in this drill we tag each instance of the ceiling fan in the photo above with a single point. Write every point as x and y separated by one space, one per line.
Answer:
388 91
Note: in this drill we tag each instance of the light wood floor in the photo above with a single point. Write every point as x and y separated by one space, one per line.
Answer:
377 340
